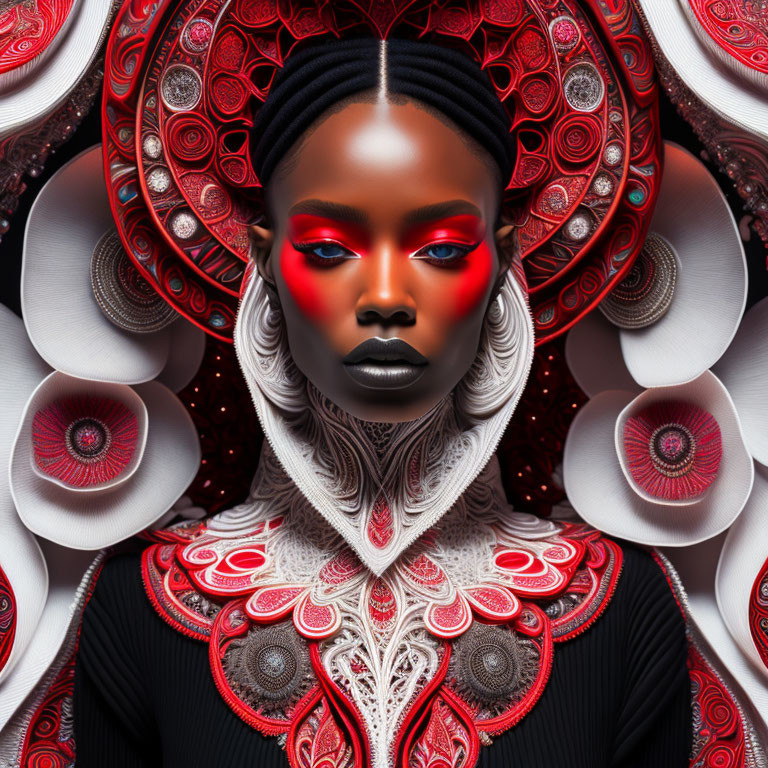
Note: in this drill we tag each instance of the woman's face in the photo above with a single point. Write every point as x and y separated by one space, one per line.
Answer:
384 257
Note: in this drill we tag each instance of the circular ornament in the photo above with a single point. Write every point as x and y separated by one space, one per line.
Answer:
197 35
577 138
487 663
269 666
583 87
85 441
180 88
565 33
190 241
645 295
123 295
673 450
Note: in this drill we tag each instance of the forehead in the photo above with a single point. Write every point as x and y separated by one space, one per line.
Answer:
385 159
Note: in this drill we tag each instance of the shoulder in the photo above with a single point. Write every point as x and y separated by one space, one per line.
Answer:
118 606
645 611
643 580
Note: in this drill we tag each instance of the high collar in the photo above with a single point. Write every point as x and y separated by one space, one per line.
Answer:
381 491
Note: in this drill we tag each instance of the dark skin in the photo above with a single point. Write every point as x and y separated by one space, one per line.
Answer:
384 226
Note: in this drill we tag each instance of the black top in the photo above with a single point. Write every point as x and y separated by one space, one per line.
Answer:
619 694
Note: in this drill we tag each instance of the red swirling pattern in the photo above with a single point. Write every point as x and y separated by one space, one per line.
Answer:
758 613
27 29
719 728
7 618
738 27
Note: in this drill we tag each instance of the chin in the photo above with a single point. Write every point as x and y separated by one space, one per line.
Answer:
384 406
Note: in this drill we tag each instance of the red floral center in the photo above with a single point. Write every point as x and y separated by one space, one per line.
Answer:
87 439
673 450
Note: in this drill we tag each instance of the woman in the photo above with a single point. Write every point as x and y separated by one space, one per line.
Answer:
385 336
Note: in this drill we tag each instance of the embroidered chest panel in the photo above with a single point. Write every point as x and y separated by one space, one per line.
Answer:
420 666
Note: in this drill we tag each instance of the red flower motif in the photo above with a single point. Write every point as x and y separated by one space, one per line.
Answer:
83 441
673 449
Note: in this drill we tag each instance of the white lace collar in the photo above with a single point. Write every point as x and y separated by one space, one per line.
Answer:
461 434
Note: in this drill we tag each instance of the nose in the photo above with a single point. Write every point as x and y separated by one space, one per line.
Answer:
385 299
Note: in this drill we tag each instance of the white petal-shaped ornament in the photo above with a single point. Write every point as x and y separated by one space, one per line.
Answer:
67 568
64 321
57 75
601 494
744 371
95 520
743 557
694 218
20 557
593 354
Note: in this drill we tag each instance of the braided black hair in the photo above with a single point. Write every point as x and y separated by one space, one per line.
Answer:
319 77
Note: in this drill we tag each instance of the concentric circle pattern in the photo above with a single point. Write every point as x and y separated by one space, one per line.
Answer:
673 450
184 81
84 441
646 293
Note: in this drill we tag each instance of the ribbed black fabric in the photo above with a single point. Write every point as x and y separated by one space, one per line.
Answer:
619 694
320 76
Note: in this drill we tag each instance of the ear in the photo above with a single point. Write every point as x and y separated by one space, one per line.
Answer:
506 248
261 246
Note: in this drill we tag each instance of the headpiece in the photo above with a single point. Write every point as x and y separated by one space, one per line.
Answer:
185 85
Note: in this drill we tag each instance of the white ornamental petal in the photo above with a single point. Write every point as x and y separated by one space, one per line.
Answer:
72 518
606 498
744 371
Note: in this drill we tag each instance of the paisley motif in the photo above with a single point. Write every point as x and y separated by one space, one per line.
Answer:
453 643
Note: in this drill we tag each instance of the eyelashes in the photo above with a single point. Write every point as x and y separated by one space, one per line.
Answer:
328 253
325 253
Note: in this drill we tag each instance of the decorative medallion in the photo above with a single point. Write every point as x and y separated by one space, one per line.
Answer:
185 81
455 640
123 295
646 293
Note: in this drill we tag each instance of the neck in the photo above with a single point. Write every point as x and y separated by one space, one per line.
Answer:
379 485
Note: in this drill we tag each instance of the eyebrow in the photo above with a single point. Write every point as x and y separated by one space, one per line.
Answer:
330 210
442 211
342 212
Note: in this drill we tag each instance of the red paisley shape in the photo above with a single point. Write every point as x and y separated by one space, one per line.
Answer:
720 739
8 618
196 256
380 528
449 737
758 613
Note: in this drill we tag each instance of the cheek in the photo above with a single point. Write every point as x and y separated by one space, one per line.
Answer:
469 285
305 284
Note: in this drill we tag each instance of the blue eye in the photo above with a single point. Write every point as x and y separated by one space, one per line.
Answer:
445 252
329 251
